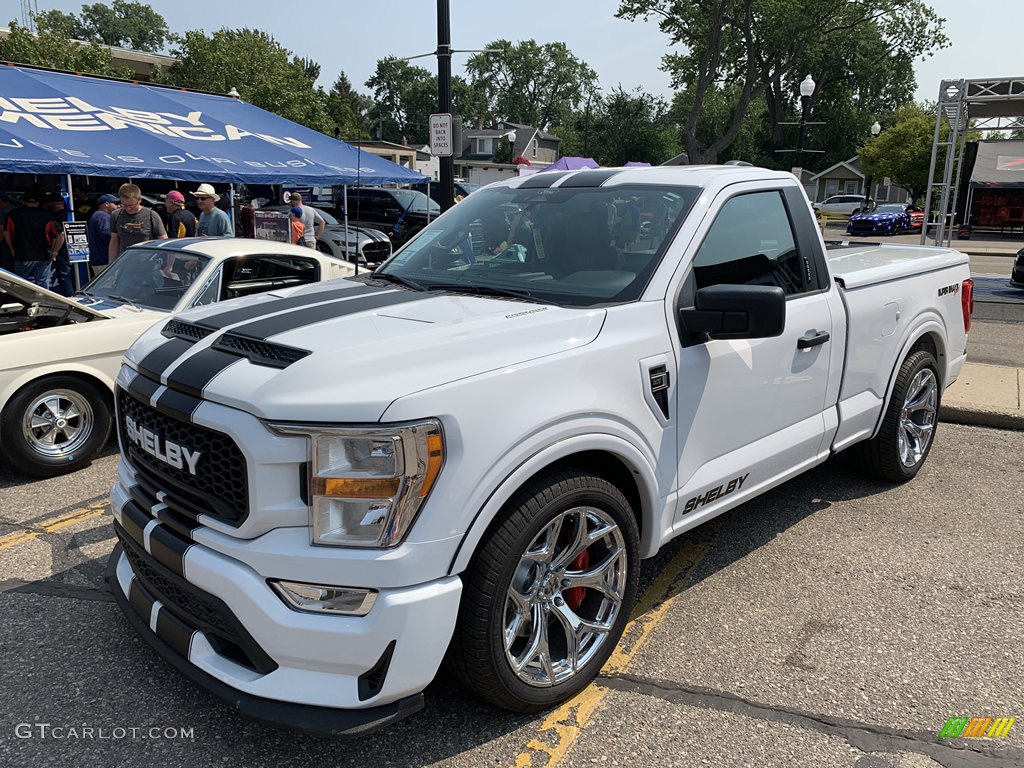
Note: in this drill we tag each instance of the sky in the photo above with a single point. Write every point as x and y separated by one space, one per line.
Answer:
350 35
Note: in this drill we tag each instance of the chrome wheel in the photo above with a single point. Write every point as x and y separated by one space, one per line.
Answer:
917 417
565 596
57 423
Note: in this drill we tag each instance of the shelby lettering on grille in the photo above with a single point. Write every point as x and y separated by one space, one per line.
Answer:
170 453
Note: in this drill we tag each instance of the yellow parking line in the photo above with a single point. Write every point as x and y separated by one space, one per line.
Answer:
55 524
562 727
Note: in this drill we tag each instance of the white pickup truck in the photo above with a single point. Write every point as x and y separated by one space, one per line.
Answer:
326 492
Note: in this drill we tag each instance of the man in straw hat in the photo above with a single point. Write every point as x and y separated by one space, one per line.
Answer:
213 222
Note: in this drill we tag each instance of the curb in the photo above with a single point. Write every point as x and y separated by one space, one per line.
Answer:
981 417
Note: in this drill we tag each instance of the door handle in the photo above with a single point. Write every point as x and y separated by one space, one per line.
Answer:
812 340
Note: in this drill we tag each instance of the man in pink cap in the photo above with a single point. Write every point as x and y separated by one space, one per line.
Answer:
180 222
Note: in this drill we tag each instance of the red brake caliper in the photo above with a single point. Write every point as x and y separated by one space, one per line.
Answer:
575 595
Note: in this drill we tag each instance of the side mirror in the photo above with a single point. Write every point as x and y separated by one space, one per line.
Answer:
734 312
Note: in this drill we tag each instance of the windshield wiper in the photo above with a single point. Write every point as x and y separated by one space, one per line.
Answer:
400 280
127 301
487 290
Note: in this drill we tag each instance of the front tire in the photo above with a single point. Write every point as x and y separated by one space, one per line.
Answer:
548 594
54 426
907 433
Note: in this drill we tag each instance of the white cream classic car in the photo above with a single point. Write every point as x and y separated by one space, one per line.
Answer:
59 357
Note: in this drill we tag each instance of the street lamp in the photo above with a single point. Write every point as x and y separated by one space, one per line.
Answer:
586 124
876 129
806 91
511 136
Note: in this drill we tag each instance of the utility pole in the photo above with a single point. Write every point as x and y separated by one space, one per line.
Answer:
444 99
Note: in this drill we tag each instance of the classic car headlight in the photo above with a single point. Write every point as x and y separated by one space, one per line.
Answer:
366 485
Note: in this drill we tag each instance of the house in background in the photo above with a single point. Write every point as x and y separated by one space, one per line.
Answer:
402 154
847 178
475 162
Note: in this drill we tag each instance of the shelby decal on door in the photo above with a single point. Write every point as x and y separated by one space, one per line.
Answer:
715 493
172 454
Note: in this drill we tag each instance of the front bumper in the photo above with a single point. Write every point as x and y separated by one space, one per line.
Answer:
216 619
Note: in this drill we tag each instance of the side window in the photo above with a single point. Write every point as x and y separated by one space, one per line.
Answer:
210 292
258 274
751 243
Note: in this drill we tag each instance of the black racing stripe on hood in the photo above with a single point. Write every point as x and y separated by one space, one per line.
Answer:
300 318
156 362
143 388
590 178
177 404
192 376
263 308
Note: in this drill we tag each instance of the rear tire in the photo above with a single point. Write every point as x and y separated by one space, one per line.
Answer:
54 426
548 593
907 433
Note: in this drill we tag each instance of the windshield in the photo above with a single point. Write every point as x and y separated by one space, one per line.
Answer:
329 218
573 246
415 202
890 209
149 277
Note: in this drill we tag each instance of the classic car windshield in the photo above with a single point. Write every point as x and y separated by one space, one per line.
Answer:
573 246
150 277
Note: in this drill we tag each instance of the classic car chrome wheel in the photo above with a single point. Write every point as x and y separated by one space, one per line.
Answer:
57 423
54 425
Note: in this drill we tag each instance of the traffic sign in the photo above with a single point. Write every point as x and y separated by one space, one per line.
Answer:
441 134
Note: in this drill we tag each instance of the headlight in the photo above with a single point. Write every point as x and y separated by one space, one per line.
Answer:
367 485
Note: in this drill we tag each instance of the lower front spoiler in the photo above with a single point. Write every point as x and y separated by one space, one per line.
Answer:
304 718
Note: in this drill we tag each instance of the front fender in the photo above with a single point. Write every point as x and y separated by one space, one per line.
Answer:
644 474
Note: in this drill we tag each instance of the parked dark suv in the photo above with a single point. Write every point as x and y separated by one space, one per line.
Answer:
462 189
400 213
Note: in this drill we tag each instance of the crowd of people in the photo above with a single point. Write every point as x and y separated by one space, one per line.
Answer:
34 246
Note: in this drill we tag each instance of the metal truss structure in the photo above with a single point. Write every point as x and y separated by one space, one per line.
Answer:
988 104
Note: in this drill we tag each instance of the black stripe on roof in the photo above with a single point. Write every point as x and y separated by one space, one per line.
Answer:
593 178
543 180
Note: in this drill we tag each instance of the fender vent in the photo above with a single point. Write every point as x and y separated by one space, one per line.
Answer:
371 681
659 387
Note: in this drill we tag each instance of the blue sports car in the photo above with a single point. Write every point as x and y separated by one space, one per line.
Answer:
888 219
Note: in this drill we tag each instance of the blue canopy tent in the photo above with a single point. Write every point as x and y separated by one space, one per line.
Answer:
59 123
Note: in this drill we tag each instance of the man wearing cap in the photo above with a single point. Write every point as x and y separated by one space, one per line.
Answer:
180 221
97 231
132 223
33 240
312 222
213 222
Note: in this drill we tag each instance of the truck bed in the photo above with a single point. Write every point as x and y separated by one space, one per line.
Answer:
857 265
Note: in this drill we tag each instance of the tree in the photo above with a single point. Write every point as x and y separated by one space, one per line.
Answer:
755 46
632 126
903 150
54 49
250 60
528 83
125 24
348 109
405 96
121 23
